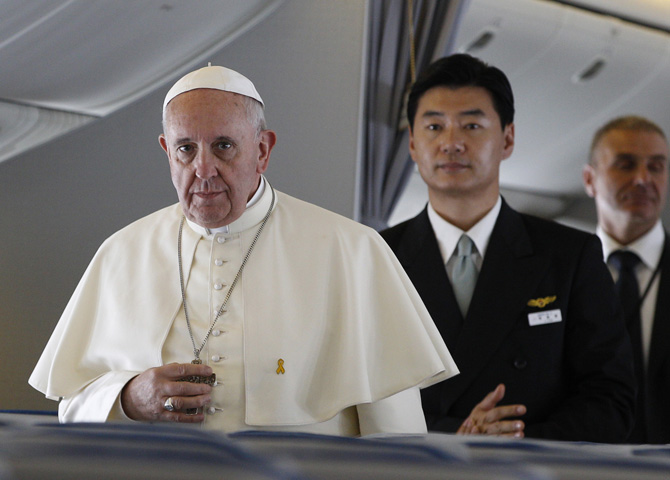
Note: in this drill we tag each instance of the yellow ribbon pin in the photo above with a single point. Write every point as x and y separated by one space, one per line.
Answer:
280 367
541 302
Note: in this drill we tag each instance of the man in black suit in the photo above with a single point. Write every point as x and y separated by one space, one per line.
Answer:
627 175
543 328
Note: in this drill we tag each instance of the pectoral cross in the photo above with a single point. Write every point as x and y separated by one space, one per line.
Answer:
209 380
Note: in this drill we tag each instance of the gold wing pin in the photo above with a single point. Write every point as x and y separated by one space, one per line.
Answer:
541 302
280 367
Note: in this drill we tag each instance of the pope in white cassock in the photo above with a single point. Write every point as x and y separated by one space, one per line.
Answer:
241 307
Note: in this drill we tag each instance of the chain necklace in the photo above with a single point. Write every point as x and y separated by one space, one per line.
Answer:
196 350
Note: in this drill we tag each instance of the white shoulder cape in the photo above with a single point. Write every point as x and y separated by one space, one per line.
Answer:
322 292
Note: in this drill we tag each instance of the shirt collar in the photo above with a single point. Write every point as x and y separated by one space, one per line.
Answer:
254 213
648 247
447 235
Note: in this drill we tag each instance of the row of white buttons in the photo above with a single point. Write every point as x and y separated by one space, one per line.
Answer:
213 410
219 262
216 358
217 286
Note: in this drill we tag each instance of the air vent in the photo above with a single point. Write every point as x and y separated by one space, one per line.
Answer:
591 71
479 43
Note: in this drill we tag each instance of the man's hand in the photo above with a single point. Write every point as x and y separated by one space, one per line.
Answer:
143 397
487 419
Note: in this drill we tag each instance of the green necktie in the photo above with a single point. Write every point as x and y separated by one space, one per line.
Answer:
464 273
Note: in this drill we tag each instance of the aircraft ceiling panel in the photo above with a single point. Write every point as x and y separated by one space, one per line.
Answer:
650 12
93 57
499 30
569 75
66 62
22 127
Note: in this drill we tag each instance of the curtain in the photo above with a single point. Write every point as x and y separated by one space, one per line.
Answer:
386 161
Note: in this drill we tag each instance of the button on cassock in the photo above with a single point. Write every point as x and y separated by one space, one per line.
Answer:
221 239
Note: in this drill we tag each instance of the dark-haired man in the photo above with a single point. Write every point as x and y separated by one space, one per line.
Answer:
526 306
627 175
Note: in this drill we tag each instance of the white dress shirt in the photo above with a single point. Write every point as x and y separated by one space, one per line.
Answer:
447 235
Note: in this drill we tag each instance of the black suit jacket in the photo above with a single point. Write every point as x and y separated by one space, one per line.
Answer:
658 369
575 376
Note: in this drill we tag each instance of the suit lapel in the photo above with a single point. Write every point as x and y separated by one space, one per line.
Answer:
420 256
658 350
508 278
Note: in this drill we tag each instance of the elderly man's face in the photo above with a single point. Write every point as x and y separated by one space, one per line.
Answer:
216 156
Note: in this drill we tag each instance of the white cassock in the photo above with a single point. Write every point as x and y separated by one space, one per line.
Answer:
323 333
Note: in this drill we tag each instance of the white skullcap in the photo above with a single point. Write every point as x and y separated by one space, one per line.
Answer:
218 78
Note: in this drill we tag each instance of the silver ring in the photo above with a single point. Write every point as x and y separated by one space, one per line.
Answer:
168 405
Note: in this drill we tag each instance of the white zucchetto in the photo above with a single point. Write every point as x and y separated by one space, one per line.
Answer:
217 78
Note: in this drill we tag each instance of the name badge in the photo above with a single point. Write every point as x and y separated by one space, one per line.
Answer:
542 318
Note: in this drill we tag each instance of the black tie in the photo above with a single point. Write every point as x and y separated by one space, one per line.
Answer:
629 293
